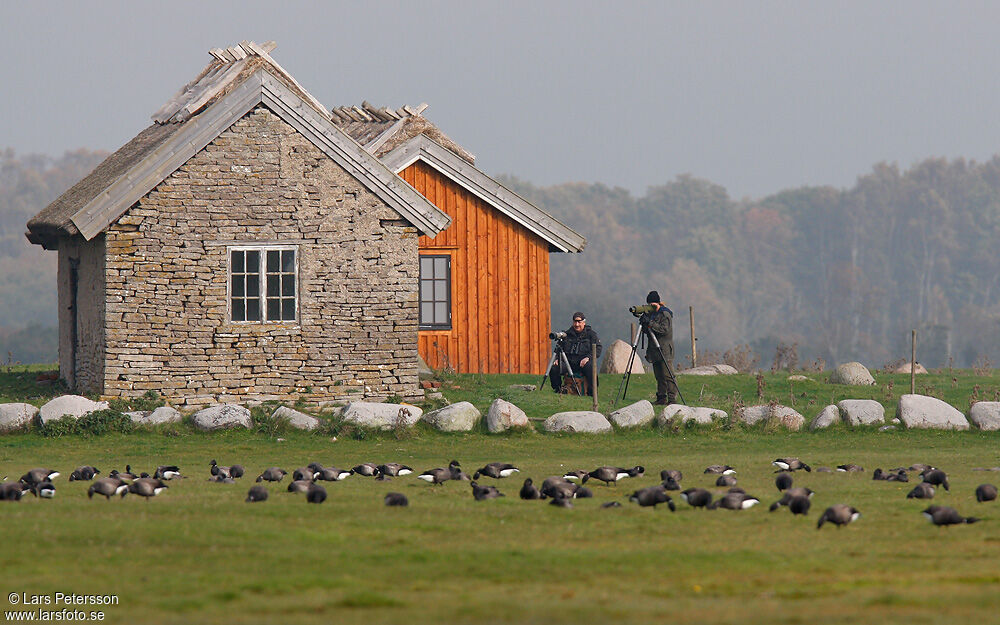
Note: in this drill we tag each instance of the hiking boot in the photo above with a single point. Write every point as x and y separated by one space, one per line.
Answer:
660 401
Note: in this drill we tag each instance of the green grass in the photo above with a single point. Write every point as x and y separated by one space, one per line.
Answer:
199 554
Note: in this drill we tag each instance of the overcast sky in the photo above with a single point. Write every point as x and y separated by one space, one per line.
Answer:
755 96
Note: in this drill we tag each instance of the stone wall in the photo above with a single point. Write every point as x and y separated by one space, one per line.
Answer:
168 322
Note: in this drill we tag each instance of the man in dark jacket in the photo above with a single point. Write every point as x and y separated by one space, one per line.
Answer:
660 324
577 346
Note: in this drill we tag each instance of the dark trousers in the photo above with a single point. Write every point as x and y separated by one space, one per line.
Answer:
587 371
666 386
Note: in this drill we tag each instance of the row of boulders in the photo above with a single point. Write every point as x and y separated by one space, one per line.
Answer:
913 411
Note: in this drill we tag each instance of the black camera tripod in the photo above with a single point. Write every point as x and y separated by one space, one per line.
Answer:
623 387
560 355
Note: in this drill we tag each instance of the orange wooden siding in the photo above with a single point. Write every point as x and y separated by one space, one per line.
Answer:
500 308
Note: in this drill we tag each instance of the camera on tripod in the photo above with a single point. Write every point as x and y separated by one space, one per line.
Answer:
638 311
557 336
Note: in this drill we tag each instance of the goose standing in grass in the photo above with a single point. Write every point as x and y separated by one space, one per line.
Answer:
799 504
923 490
316 493
12 491
791 464
496 470
304 473
937 477
652 496
273 474
556 486
790 494
783 481
256 493
480 493
986 492
84 474
720 469
529 490
107 486
943 516
216 470
574 475
839 514
613 474
236 471
440 476
37 476
697 497
167 472
394 469
147 487
333 474
396 499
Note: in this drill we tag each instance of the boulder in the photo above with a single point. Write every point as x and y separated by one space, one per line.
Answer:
616 359
985 415
69 405
905 368
460 417
16 416
163 414
423 371
296 419
582 421
826 417
635 415
697 414
852 374
710 370
782 415
221 417
920 411
382 416
861 411
504 415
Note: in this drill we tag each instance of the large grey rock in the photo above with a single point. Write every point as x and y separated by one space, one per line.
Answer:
460 417
163 414
710 370
381 416
861 411
905 368
423 371
697 414
504 415
921 411
853 374
69 405
782 415
221 417
582 421
633 416
16 416
826 417
296 419
985 415
616 359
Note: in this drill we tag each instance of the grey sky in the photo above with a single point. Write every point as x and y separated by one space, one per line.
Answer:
756 96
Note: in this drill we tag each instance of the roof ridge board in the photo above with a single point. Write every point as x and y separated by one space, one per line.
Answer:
174 104
373 145
211 89
308 97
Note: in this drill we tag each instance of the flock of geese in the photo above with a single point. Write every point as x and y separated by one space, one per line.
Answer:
561 490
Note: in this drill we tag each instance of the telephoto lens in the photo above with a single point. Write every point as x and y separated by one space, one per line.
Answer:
557 335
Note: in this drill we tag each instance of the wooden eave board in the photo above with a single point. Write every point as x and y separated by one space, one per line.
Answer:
421 147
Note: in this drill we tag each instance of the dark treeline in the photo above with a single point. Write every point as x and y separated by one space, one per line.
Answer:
843 274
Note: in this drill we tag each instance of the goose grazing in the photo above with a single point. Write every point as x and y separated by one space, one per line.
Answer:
480 493
396 499
107 486
725 480
613 474
217 470
574 475
734 501
723 469
316 493
673 474
791 464
790 494
440 476
167 472
562 502
84 474
670 484
333 474
783 481
366 469
256 493
839 514
556 486
236 471
304 473
273 474
986 492
394 469
496 470
147 487
652 496
923 490
127 475
937 477
850 468
697 497
37 476
44 490
945 516
12 491
799 505
299 486
529 490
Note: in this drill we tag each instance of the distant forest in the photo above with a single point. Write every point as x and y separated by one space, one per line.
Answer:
840 274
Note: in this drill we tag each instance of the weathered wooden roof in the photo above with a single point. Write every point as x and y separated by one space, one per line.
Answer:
560 237
238 79
381 130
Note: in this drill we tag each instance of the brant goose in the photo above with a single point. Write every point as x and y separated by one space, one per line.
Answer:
839 514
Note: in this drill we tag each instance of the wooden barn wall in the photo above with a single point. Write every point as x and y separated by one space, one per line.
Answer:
500 284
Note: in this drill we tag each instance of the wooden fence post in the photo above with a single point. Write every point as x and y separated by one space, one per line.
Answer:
694 349
913 362
593 372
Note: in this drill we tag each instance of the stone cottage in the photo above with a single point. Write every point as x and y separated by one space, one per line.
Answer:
241 247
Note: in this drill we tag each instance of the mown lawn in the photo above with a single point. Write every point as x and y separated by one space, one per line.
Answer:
198 553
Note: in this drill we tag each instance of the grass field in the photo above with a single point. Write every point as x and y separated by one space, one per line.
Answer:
198 553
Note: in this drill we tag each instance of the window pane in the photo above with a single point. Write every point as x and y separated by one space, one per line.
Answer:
440 313
288 261
274 310
288 285
273 285
440 290
426 267
238 261
253 310
273 261
253 261
238 286
440 267
426 290
253 286
239 310
288 309
426 313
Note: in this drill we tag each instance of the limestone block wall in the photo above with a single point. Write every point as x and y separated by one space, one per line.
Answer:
167 321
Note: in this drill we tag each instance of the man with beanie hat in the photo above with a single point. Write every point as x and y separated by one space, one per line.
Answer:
577 347
660 323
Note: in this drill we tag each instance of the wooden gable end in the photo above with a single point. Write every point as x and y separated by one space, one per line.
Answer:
500 307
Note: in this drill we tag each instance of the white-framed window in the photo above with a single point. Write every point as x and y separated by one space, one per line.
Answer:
263 283
435 292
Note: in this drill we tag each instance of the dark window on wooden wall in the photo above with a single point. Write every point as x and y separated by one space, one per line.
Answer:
435 292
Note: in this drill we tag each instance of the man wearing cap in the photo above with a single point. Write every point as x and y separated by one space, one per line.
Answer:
577 346
660 323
